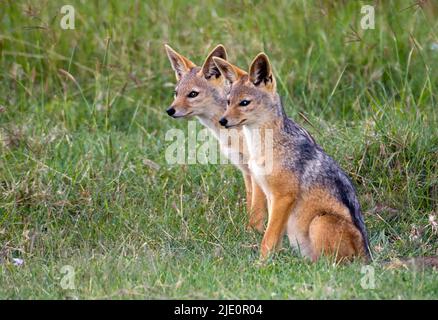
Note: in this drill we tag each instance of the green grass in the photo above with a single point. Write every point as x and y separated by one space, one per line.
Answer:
76 186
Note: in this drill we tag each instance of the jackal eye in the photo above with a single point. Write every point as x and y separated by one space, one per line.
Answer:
244 103
175 93
228 102
192 94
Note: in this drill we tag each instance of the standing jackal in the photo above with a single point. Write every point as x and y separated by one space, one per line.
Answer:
201 92
308 195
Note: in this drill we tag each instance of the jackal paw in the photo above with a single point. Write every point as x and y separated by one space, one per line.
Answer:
256 226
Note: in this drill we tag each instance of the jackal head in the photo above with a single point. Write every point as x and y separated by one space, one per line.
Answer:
253 97
200 91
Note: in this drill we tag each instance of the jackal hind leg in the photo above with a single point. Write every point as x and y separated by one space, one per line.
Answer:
334 236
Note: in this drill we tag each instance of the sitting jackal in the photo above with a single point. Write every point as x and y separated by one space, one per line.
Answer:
308 194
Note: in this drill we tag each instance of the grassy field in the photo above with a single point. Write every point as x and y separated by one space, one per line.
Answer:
83 177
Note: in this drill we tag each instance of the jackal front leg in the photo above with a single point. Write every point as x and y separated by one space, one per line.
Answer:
248 190
279 213
258 208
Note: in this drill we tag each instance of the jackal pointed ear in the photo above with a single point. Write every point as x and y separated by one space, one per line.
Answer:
260 72
180 64
209 68
229 71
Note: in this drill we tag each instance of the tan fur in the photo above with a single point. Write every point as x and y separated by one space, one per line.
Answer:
321 225
280 206
281 188
317 223
207 110
258 208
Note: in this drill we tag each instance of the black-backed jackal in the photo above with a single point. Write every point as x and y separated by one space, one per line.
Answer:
308 195
201 92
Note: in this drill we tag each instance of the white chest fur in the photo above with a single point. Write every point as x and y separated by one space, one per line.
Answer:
257 158
231 153
230 149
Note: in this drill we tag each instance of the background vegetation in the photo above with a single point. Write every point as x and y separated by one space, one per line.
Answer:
84 182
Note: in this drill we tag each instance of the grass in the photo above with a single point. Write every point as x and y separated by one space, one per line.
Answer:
84 181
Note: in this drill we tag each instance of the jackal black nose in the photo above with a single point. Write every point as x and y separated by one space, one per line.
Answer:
171 111
223 121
